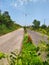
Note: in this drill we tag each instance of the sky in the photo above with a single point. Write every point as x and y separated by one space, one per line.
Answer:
24 12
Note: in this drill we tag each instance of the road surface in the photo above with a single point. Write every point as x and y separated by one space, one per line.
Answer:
11 41
37 37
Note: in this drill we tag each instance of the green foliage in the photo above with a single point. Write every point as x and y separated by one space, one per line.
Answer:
47 30
45 63
42 46
6 23
48 53
36 24
42 29
25 29
27 56
43 26
2 55
48 47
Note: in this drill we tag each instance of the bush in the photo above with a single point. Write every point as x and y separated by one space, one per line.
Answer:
2 55
25 29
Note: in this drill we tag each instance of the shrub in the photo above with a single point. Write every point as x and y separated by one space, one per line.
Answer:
2 55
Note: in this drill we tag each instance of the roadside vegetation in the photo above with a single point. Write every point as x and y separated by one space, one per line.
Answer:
6 23
43 51
29 54
2 55
43 47
44 29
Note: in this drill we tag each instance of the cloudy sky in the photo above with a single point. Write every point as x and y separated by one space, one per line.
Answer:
25 11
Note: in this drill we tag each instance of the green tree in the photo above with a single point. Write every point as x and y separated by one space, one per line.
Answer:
7 20
43 26
0 11
1 19
6 13
36 24
6 23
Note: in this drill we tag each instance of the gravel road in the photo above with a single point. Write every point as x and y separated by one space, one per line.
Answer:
11 41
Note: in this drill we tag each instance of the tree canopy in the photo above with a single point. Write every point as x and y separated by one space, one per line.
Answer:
6 23
36 23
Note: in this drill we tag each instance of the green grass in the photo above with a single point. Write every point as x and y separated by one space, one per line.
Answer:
28 55
43 31
2 55
4 29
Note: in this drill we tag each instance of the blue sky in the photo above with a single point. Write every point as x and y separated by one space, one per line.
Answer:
25 11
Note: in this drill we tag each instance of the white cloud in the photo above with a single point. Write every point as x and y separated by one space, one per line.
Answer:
35 0
19 3
15 4
39 0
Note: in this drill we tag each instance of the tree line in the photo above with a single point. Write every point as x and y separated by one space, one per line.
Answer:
42 28
6 23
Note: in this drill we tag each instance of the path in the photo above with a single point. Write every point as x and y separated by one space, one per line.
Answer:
11 41
37 37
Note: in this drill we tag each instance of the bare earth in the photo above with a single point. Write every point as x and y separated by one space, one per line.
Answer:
11 41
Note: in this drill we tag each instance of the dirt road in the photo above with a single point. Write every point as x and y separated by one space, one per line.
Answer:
11 41
37 37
